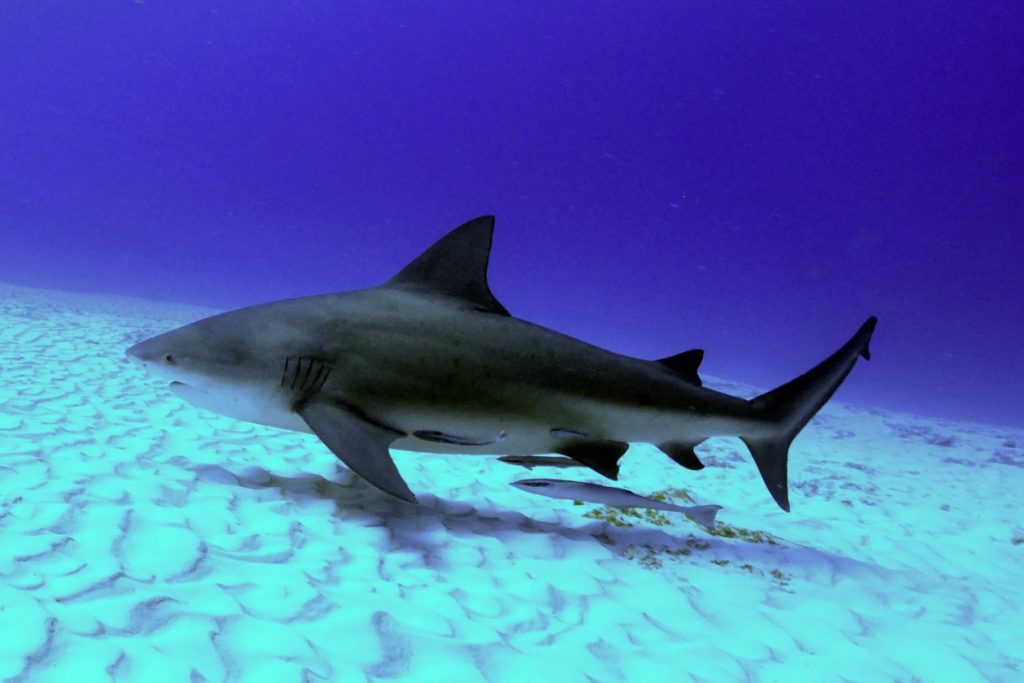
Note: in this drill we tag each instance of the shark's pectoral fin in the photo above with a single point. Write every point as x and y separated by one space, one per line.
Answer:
359 443
682 452
600 456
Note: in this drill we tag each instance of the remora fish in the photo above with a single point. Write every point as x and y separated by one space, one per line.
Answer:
430 361
531 461
615 497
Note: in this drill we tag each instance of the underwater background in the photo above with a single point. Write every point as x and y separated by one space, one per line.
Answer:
751 178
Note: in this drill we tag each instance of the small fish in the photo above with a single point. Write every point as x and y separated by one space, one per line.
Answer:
615 497
531 461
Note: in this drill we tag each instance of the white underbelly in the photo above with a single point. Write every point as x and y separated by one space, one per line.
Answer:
261 408
431 430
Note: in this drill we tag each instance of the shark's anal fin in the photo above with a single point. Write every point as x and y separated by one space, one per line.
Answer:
682 452
456 266
600 456
359 443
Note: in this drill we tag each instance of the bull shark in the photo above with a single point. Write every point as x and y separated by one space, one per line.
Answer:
431 362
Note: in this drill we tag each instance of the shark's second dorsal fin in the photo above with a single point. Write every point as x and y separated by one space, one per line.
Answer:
456 265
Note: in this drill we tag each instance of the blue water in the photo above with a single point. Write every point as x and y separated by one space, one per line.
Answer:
751 179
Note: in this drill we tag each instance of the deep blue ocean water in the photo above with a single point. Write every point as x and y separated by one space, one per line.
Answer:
752 178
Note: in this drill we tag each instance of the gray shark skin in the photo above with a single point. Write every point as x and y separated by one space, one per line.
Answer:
430 361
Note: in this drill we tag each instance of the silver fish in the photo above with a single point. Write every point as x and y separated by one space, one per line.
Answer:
531 461
615 497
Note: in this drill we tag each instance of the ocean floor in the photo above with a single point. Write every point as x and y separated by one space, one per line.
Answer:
143 540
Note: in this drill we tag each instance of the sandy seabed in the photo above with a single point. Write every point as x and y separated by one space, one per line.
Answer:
143 540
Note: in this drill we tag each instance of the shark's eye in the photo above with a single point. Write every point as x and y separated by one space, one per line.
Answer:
536 484
169 358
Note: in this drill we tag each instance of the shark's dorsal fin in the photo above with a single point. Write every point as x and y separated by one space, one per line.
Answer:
456 265
686 364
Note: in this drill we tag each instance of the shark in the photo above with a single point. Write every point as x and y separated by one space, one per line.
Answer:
431 362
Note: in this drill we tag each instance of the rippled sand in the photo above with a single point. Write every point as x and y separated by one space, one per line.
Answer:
142 540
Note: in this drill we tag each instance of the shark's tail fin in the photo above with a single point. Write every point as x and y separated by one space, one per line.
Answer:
784 411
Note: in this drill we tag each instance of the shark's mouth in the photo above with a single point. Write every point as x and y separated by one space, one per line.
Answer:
179 388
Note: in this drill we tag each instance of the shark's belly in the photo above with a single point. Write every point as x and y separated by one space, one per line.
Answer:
249 406
453 444
479 428
527 432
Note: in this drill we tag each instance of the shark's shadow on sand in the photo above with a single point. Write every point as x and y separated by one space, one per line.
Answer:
413 528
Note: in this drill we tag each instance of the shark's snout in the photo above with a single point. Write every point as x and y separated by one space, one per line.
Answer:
150 351
154 357
133 352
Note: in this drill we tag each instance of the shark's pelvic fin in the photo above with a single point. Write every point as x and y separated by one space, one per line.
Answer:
359 443
682 452
685 365
784 411
456 265
600 456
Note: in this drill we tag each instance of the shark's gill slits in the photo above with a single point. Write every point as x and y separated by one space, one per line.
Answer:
327 373
321 376
309 369
305 375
